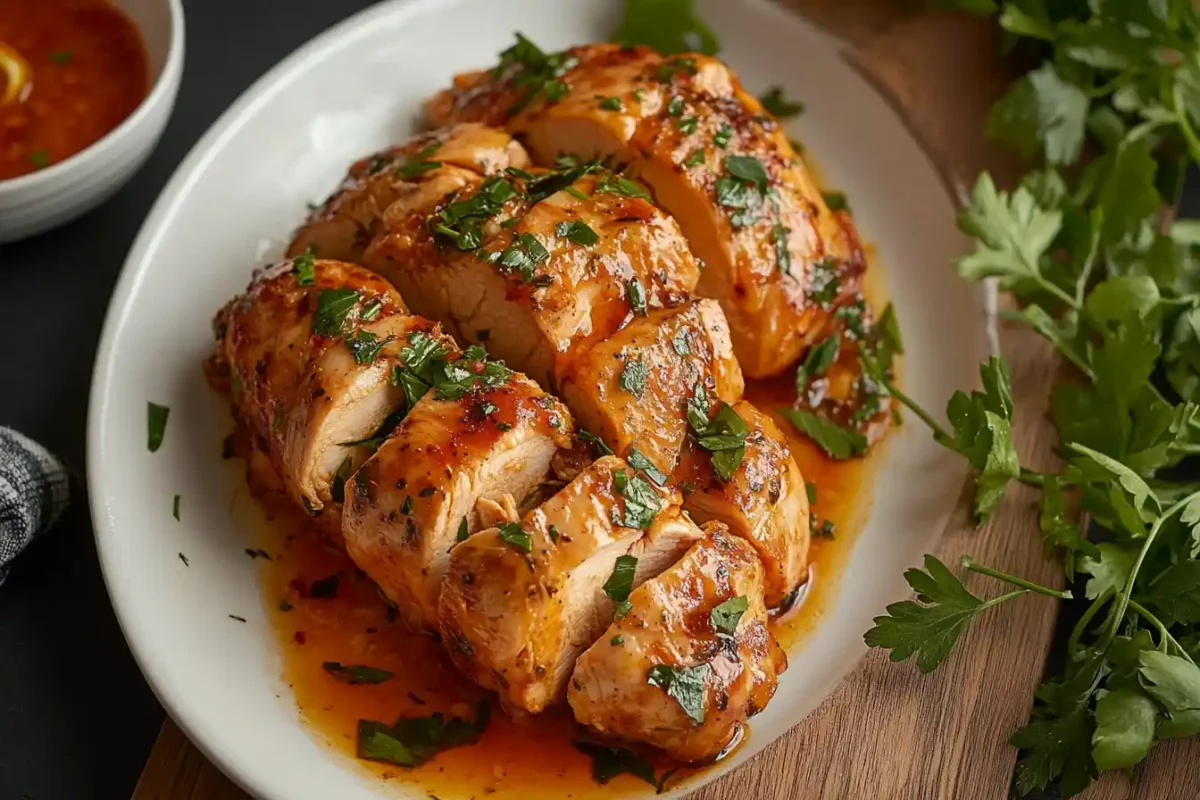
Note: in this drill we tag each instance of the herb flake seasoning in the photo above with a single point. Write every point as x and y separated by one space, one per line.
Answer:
633 377
156 425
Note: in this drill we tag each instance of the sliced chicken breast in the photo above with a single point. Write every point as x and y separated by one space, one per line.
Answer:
453 466
520 602
632 388
305 356
691 660
550 263
779 261
416 174
763 501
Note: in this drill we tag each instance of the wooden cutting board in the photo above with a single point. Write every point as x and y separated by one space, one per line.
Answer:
889 733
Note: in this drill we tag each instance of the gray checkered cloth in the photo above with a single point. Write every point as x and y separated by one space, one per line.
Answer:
34 489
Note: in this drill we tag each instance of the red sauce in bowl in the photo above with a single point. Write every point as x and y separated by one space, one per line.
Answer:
84 67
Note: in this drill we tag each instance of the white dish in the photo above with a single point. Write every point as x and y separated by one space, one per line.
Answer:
242 189
61 192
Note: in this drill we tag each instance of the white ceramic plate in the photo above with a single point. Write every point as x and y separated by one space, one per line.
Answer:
245 185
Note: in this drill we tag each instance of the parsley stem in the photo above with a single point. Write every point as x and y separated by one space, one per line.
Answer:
1085 275
1031 478
974 566
1164 634
995 601
1124 596
1185 124
1081 625
1057 291
939 433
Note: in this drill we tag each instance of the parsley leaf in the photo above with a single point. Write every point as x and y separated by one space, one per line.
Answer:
837 441
633 377
513 534
412 741
668 26
685 684
156 425
778 105
725 617
928 628
609 762
333 308
356 675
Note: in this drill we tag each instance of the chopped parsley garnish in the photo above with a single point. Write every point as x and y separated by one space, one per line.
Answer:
633 377
783 254
687 126
667 71
333 307
817 362
463 531
685 684
357 674
324 589
639 462
62 56
675 107
39 159
824 284
616 641
695 158
616 184
416 164
642 502
724 436
156 425
304 268
575 192
748 169
778 105
836 201
461 222
637 297
743 189
175 507
406 507
578 232
611 104
620 584
552 532
598 445
512 533
527 67
365 346
236 618
835 440
723 136
810 489
523 256
412 741
680 343
609 762
725 617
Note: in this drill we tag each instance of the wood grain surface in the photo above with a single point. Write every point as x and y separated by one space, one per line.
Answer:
889 733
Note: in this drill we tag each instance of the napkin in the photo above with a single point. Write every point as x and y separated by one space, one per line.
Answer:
34 489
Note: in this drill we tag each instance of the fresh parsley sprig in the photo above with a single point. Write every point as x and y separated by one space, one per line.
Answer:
1087 243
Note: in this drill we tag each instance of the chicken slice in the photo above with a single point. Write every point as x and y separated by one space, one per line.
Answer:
632 388
764 500
577 256
779 261
521 602
418 173
305 356
691 660
452 467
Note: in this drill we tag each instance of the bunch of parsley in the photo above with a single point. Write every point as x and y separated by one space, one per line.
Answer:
1088 243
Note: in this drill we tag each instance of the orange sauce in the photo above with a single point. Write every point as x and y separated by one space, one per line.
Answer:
85 72
531 759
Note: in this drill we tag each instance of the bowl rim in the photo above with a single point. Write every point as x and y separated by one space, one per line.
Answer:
164 84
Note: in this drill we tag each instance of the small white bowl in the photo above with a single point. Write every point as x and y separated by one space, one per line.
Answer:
49 197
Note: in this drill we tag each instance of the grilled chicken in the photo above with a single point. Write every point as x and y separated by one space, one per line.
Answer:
520 602
538 267
699 628
632 388
452 467
416 174
764 501
305 355
779 261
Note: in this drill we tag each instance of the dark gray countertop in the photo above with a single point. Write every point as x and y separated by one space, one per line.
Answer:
76 719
